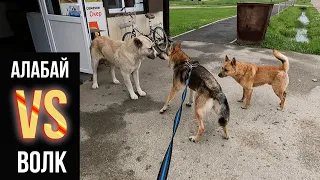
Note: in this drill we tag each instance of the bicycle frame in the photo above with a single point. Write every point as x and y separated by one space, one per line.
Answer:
135 28
152 30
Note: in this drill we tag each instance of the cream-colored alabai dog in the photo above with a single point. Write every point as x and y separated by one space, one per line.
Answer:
125 55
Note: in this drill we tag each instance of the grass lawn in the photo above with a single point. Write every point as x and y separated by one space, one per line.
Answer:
217 2
303 2
282 31
182 20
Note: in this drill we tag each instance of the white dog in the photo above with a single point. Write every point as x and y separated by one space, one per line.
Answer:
125 55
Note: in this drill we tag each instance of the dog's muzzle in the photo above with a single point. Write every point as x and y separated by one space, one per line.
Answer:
162 55
151 56
220 75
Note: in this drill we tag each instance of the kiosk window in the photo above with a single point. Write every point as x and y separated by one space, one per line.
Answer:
116 6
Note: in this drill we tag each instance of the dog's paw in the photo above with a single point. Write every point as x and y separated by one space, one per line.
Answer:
279 109
162 110
142 93
189 104
244 107
226 137
134 96
116 81
193 139
95 86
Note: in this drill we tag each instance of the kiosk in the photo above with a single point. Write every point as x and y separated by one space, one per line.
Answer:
70 25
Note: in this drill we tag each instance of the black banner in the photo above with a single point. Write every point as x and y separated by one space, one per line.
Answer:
40 116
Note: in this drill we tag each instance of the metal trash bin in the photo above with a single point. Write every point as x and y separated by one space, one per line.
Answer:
252 21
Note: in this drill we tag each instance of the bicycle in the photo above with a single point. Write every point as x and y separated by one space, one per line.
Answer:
156 32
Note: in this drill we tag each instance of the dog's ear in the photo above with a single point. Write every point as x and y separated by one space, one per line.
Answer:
137 42
178 45
233 62
226 58
171 43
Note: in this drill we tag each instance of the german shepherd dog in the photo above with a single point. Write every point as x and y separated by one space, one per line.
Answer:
251 75
204 89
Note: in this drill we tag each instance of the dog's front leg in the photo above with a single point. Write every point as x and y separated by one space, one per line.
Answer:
173 91
243 95
127 82
248 93
137 82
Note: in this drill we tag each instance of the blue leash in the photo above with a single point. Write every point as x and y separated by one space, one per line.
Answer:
163 173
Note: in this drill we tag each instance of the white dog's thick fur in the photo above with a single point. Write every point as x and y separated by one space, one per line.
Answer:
125 55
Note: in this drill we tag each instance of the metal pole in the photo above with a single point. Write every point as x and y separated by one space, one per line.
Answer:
278 7
166 21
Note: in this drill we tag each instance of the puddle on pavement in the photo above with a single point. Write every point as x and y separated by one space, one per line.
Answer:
302 32
302 35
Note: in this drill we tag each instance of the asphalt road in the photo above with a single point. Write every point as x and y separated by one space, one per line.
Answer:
221 32
126 139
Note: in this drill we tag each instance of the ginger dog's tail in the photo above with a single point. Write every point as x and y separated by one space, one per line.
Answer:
283 59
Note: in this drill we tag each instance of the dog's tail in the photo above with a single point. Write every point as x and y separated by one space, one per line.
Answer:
283 59
223 111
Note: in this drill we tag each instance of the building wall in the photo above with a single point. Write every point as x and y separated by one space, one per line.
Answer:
142 24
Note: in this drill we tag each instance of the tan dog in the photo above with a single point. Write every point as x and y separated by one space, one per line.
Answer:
251 75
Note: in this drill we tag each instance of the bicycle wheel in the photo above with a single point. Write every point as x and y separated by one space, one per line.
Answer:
128 36
160 39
